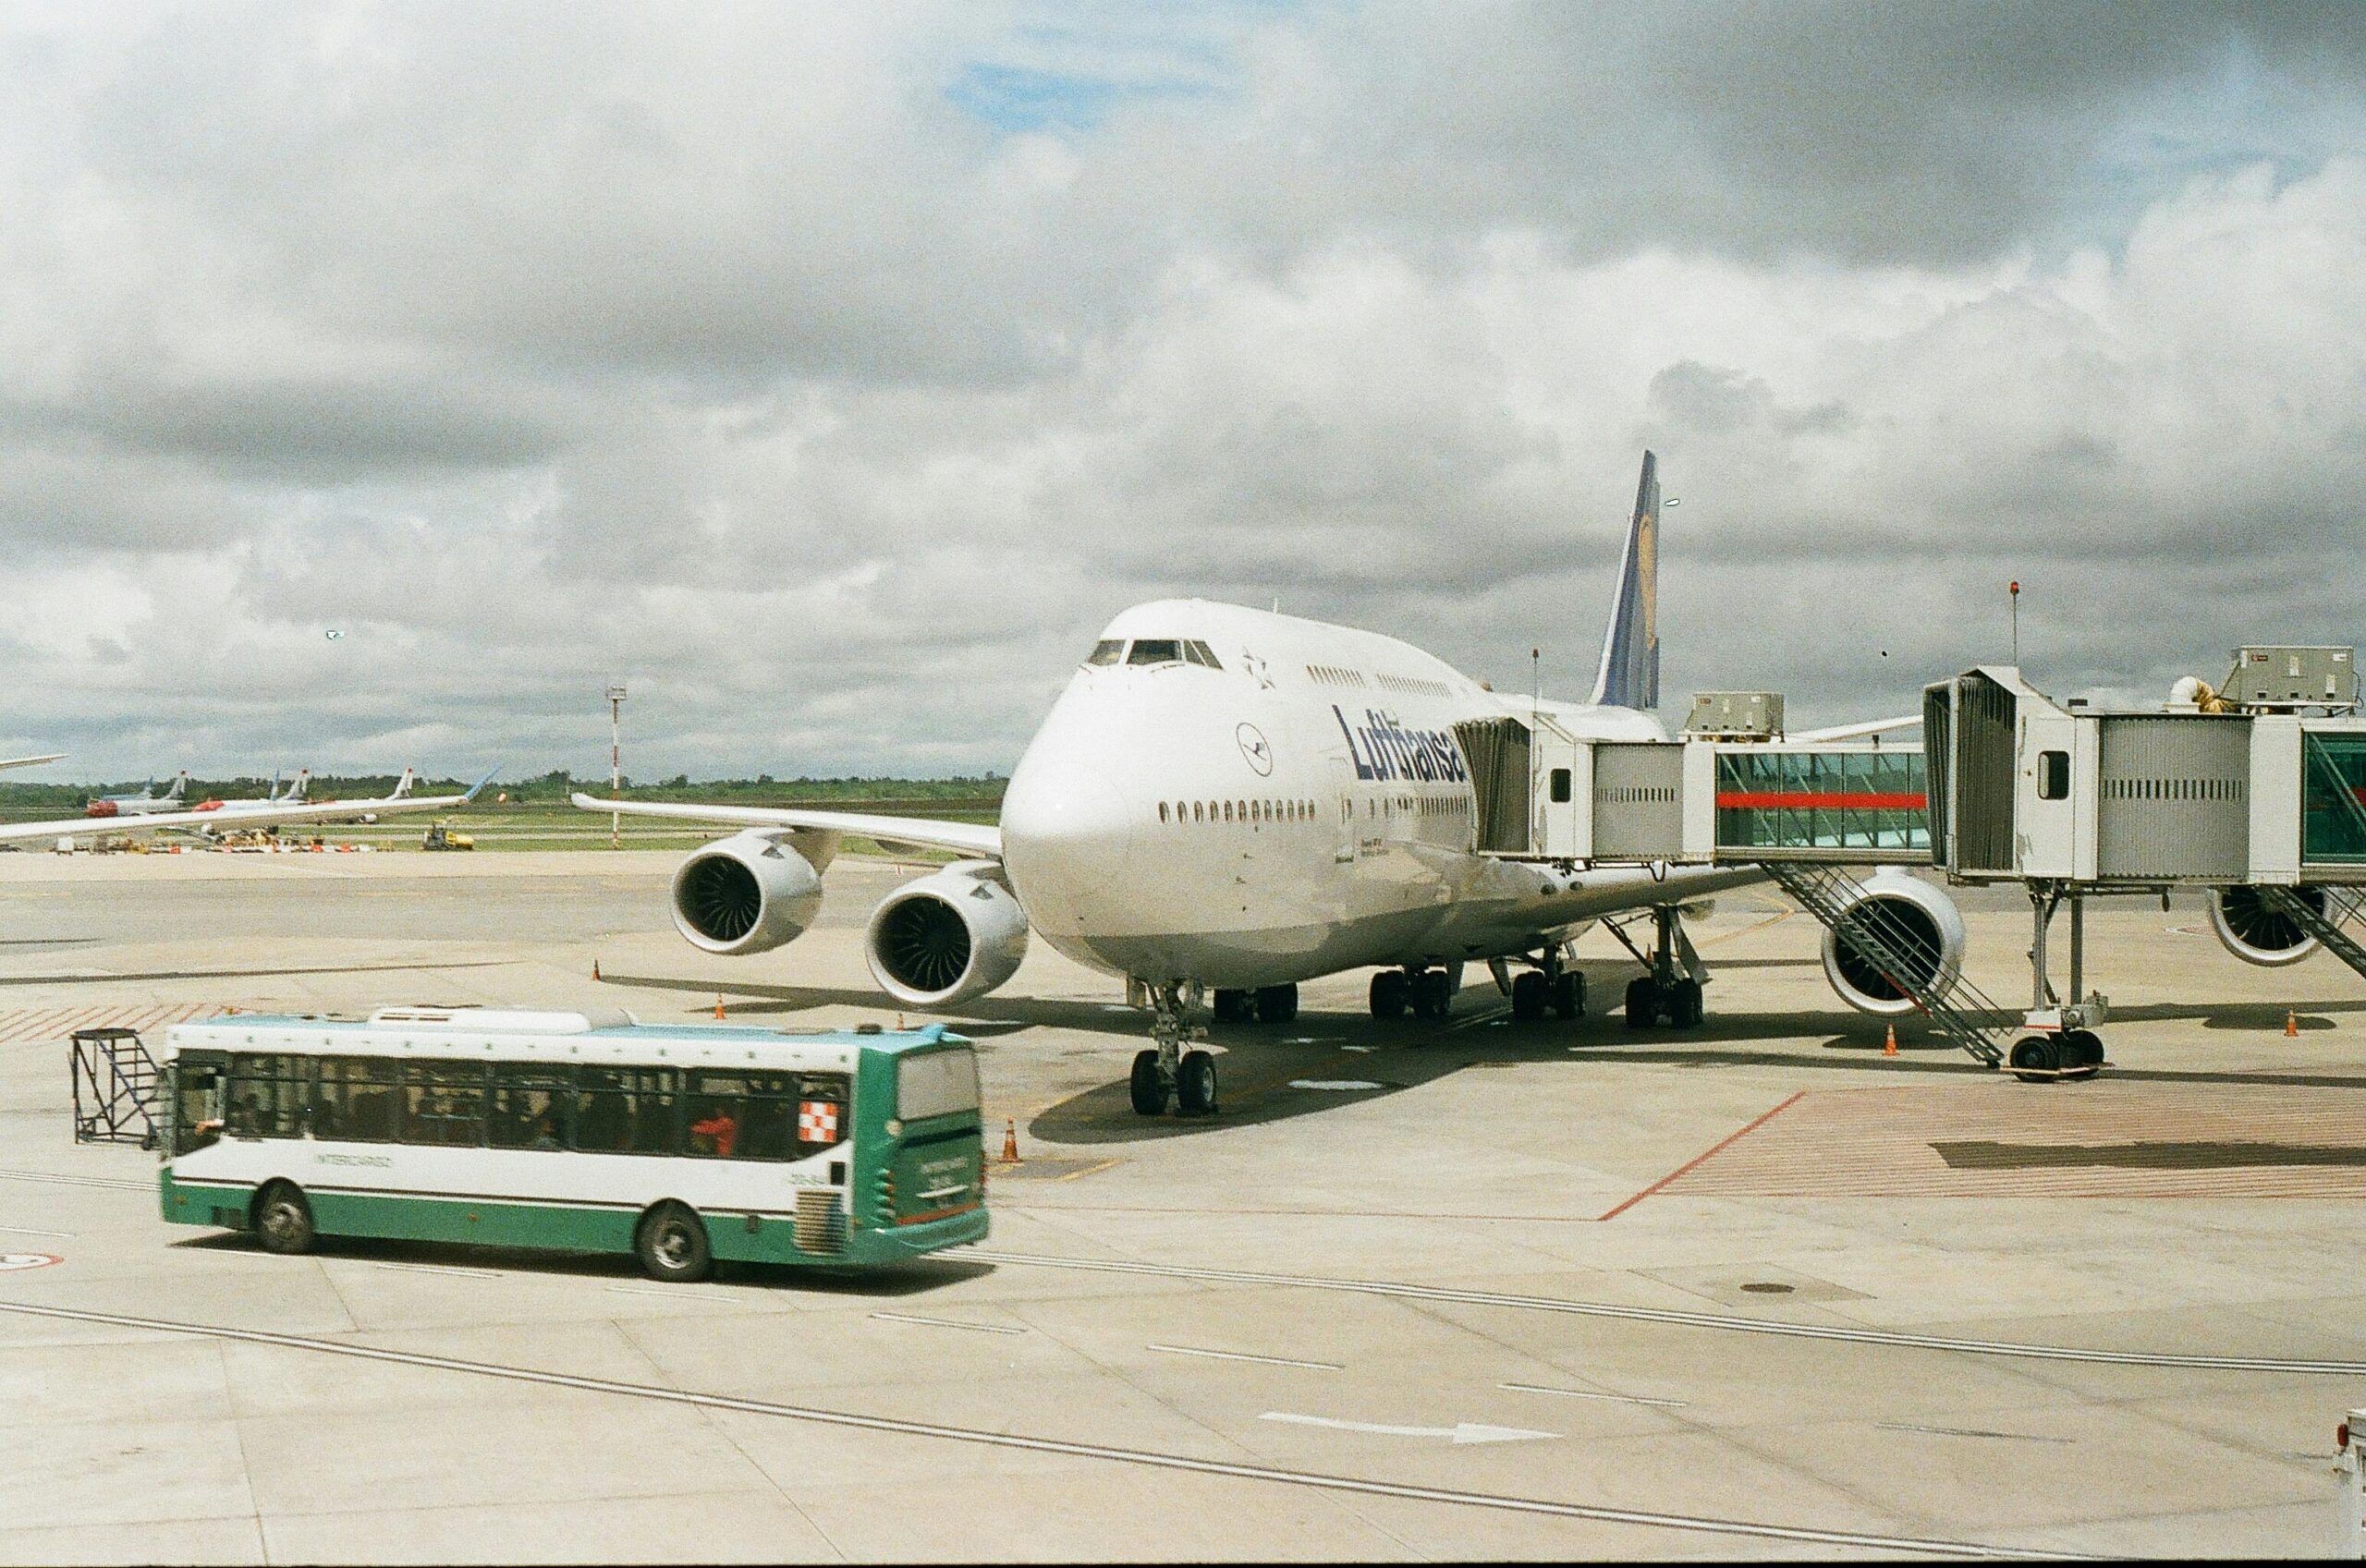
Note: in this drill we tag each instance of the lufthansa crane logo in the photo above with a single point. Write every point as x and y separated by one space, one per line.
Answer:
1255 749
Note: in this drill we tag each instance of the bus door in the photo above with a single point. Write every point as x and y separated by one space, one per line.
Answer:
193 1098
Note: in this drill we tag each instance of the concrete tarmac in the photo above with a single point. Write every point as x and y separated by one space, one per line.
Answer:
1462 1290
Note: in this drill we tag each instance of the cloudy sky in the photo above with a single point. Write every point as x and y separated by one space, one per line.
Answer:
832 373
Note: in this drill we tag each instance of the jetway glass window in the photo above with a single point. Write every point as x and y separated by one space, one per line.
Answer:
2333 799
1771 799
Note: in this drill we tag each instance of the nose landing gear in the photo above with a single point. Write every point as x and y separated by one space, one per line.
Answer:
1672 989
1167 1070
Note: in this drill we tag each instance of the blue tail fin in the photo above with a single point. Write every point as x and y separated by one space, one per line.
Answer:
1630 648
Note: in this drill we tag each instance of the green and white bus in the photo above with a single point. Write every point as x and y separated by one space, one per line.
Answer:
681 1143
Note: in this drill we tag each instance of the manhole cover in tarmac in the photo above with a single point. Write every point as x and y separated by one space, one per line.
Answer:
1768 1287
13 1261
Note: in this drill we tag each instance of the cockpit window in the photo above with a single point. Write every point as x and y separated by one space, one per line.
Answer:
1201 653
1108 651
1155 650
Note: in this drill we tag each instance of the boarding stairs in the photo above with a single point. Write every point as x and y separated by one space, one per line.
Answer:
2327 924
1962 1013
115 1087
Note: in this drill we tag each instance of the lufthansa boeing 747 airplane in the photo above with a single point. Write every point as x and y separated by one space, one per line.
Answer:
1226 802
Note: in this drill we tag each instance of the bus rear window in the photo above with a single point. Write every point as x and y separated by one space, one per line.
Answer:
936 1083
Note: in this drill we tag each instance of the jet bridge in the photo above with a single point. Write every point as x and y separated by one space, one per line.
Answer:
2259 799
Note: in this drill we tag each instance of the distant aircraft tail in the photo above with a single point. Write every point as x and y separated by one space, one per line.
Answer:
296 791
402 785
180 785
1629 676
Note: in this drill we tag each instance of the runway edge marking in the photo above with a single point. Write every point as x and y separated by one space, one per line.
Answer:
1151 1458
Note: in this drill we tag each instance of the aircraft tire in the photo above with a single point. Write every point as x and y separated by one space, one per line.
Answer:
1684 1008
1432 994
1531 993
1570 994
1276 1004
1390 994
1233 1006
1642 1003
1149 1094
1195 1085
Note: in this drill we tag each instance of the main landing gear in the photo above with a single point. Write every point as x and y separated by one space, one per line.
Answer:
1267 1004
1671 991
1551 985
1425 992
1168 1071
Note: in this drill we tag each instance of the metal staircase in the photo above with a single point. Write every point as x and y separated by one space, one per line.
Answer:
2324 923
1962 1013
115 1087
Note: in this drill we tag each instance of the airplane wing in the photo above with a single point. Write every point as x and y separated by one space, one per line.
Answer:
31 761
262 817
963 838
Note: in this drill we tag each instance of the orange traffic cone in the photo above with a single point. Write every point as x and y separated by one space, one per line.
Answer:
1009 1141
1889 1040
2292 1025
718 1004
595 968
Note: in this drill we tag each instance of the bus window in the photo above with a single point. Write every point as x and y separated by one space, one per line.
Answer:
530 1106
444 1103
266 1095
625 1111
937 1083
197 1100
355 1102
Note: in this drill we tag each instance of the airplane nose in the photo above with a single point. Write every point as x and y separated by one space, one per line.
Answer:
1066 837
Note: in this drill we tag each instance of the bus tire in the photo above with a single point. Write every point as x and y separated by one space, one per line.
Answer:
672 1244
284 1219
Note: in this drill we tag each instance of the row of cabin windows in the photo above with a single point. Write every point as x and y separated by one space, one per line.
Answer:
714 1114
1414 682
1423 805
1152 650
1235 811
1334 675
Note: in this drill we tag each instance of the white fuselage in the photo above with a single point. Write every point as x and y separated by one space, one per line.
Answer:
1299 807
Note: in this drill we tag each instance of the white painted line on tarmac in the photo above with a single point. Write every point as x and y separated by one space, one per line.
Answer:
1460 1432
1969 1432
945 1323
28 1230
1334 1086
1587 1393
1735 1324
1244 1356
440 1269
1147 1458
118 1183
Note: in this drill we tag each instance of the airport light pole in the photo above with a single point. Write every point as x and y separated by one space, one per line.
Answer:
615 763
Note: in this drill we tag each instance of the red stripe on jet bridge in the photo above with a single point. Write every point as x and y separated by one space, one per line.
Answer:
1807 800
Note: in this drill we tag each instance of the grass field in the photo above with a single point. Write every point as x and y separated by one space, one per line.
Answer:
543 825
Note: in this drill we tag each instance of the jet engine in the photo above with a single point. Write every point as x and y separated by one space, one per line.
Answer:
948 937
2256 931
1913 920
749 894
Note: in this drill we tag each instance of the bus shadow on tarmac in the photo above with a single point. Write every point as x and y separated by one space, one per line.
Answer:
888 1282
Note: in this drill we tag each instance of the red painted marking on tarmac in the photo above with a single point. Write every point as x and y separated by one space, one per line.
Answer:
1706 1155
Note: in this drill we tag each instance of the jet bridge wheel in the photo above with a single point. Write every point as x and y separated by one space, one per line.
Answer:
2035 1060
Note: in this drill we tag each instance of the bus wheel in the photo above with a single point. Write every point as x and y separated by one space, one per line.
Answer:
1149 1092
283 1219
1195 1084
672 1244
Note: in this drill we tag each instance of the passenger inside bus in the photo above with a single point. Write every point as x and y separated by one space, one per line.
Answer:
717 1134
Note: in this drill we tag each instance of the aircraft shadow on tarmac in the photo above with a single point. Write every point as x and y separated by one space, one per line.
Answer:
1263 1064
885 1283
